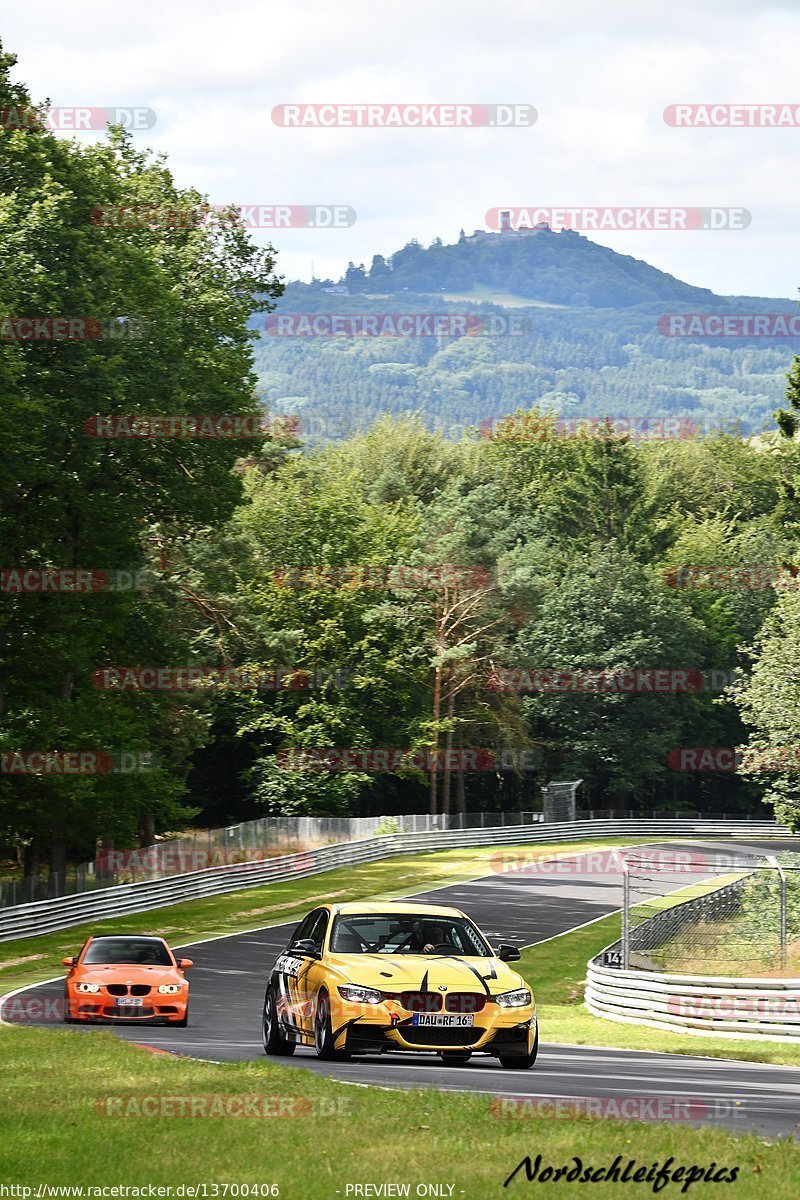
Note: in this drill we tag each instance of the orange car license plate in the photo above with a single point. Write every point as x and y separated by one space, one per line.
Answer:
130 1001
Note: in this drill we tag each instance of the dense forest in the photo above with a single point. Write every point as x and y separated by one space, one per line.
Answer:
362 626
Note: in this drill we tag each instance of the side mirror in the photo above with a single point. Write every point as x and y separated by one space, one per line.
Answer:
508 953
306 948
185 963
68 962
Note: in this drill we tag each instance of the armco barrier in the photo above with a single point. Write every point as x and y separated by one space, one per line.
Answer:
712 1007
44 916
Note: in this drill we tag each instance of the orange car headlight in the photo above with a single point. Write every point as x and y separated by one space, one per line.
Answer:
87 987
169 989
361 995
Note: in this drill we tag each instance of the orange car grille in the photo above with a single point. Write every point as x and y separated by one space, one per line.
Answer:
126 1010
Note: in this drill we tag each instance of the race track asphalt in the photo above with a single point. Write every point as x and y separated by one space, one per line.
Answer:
228 979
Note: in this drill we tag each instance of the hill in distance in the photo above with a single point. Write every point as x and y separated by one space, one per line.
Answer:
588 342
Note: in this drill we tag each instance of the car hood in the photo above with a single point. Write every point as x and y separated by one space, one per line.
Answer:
427 972
132 973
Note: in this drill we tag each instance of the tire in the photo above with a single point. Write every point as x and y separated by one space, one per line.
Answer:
68 1018
323 1033
273 1037
521 1062
184 1021
455 1058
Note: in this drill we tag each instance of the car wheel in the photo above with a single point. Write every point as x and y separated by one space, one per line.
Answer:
323 1034
455 1058
68 1017
184 1021
275 1040
521 1062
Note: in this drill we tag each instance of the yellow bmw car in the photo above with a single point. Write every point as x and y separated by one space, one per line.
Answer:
396 976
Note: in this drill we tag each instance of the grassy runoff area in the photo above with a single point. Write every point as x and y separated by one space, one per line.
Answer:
55 1085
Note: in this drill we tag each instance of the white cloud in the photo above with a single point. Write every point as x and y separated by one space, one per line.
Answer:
600 77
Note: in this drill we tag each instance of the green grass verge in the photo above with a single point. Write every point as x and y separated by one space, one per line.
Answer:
55 1129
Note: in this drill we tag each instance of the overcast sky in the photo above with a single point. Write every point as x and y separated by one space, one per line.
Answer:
599 77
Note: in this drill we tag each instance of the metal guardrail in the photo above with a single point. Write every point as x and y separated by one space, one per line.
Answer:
45 916
713 1007
249 841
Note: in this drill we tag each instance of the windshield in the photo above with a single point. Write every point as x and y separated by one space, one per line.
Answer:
109 951
393 933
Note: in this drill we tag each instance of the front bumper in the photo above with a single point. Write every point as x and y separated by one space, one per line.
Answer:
87 1006
386 1027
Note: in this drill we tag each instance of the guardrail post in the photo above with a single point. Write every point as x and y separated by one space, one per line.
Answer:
626 917
782 904
783 919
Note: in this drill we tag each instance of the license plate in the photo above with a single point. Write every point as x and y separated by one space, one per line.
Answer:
446 1019
130 1001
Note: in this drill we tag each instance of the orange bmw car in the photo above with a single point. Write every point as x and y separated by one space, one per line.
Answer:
126 978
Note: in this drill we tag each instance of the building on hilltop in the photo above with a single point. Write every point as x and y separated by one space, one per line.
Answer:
506 230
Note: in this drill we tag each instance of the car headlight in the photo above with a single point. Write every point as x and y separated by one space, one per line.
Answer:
516 999
169 989
361 995
87 987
